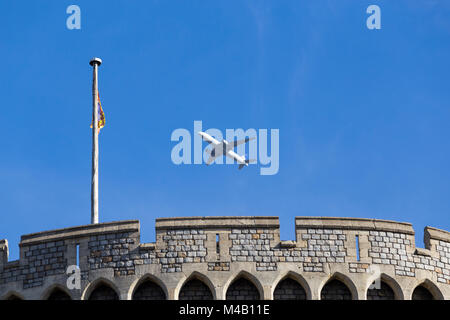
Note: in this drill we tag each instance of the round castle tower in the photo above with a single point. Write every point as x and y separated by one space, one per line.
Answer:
230 258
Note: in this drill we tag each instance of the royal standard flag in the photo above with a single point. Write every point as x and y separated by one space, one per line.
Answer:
100 115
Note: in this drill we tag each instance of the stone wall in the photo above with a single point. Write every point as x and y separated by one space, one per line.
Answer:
43 260
229 257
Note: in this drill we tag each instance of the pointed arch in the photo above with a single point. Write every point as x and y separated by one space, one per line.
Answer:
56 292
295 277
196 286
381 291
146 288
13 295
104 284
426 286
244 286
338 287
383 294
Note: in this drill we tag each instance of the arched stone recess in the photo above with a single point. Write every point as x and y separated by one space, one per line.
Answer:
148 287
12 295
57 292
426 290
93 290
338 287
196 286
243 286
389 290
291 275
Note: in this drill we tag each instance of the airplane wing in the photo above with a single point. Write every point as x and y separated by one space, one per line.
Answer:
235 143
209 139
233 155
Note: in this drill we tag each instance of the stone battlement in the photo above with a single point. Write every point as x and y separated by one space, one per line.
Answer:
231 257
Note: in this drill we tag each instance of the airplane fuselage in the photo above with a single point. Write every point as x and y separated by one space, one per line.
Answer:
222 148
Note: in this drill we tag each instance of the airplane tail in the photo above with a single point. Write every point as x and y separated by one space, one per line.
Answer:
247 161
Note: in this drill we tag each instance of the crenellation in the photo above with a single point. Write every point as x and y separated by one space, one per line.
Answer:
222 247
4 252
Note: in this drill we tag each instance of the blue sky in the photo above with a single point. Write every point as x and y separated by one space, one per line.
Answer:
363 114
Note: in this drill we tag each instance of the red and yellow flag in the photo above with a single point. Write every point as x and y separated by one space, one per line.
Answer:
100 115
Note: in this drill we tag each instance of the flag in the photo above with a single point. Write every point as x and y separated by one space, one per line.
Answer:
100 115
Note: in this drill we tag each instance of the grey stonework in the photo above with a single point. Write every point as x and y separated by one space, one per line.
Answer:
115 251
392 249
358 267
218 266
218 250
182 246
43 260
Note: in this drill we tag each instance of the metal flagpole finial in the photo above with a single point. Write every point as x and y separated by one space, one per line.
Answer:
96 61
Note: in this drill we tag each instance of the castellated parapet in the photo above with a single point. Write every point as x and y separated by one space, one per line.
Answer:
231 258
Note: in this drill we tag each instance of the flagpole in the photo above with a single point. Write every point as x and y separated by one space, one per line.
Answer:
95 63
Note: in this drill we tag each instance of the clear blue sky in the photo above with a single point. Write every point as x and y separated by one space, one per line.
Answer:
363 114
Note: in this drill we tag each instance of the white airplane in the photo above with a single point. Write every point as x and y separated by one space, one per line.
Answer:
225 148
